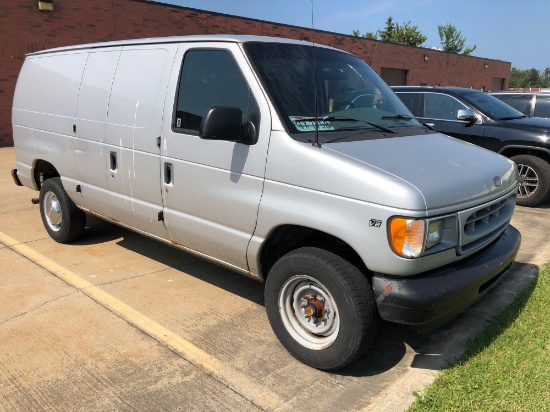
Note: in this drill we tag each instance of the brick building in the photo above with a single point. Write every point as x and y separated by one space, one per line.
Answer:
25 29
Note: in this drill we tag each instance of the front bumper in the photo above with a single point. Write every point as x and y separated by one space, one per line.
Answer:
430 299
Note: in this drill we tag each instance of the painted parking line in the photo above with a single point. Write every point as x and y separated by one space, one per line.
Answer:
233 379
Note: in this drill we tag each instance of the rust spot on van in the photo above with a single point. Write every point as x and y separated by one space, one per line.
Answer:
387 291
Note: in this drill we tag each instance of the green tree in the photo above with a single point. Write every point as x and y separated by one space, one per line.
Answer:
533 78
529 78
396 33
367 35
452 40
409 35
546 77
388 34
517 78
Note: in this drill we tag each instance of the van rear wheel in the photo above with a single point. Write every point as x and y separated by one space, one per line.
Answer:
63 220
321 308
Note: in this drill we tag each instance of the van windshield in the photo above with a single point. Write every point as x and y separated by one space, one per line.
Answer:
350 95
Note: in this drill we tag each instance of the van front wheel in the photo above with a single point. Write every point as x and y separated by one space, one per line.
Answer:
63 220
321 308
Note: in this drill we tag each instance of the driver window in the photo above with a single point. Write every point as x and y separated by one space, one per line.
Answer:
208 78
346 89
542 108
441 106
521 103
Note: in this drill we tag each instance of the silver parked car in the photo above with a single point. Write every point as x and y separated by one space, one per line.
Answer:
532 104
247 151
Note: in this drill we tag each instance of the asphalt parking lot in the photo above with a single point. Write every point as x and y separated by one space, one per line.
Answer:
117 321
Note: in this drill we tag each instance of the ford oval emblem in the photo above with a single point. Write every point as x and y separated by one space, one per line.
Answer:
498 181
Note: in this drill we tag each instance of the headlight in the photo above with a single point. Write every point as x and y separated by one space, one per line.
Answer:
435 232
410 237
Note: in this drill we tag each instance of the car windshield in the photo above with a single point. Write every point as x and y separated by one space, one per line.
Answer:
350 95
491 106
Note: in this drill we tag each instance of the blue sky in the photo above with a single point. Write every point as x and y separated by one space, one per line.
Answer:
510 30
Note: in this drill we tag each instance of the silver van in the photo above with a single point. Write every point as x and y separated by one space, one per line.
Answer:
253 152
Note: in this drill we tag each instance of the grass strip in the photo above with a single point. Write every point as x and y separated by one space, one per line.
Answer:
507 367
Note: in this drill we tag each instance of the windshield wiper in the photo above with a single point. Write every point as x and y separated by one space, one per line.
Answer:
344 119
427 125
398 116
513 117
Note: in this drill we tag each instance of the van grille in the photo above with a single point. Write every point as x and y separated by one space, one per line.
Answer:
482 224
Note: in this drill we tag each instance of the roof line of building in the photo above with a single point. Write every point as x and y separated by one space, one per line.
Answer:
311 29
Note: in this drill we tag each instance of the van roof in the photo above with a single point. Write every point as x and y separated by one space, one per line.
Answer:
229 38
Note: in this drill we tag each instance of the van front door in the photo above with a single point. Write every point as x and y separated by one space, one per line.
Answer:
134 123
212 189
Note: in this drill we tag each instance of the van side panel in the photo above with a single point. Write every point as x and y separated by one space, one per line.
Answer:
93 99
91 121
43 113
134 122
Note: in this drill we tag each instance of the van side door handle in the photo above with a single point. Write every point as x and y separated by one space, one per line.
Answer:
167 173
113 160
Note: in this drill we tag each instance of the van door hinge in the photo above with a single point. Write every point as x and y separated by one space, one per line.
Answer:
158 141
161 216
78 189
74 127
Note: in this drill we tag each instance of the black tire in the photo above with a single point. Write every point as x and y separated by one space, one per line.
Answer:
321 281
63 220
534 180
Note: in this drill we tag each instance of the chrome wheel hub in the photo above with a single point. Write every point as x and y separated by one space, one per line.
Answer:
309 312
528 181
52 211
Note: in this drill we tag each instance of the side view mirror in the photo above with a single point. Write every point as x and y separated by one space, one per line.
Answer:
467 115
225 123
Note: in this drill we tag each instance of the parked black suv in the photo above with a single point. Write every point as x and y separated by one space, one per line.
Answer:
482 119
534 104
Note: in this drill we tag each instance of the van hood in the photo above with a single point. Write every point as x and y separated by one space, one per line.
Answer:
446 171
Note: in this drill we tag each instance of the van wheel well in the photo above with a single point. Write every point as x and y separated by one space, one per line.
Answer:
42 171
290 237
516 151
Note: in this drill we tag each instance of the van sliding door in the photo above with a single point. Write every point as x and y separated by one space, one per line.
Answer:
134 123
91 123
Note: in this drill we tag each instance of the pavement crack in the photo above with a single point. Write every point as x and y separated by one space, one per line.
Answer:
113 282
34 308
25 280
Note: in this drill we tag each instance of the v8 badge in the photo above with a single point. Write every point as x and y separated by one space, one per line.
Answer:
375 223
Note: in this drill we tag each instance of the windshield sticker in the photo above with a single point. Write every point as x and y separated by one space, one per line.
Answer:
304 124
